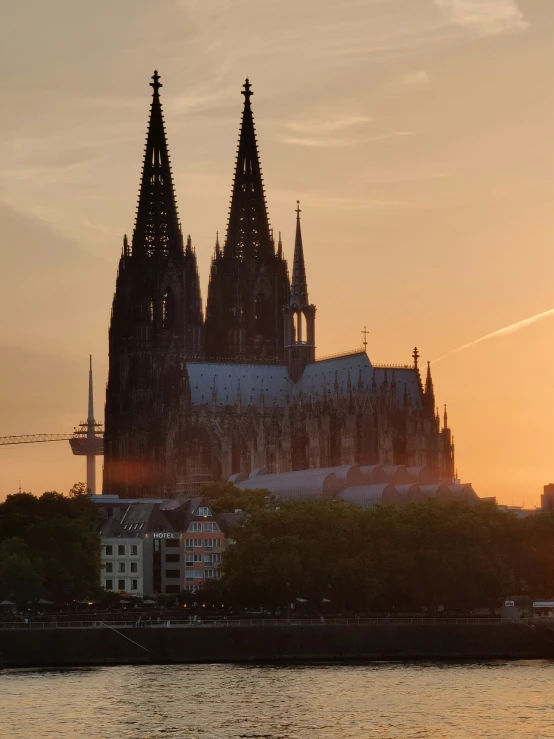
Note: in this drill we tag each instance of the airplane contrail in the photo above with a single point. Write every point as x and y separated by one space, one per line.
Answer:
511 329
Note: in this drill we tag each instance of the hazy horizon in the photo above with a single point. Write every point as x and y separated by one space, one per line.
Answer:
416 135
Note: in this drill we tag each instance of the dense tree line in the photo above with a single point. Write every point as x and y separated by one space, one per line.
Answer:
224 497
49 547
388 559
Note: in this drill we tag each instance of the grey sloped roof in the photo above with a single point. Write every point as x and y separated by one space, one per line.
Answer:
408 490
436 490
303 484
220 382
397 473
348 474
252 379
463 492
111 528
369 495
424 475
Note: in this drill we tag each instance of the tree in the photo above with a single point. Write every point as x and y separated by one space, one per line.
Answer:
20 578
60 538
224 497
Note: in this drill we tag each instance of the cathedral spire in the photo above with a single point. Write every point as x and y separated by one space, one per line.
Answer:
157 228
299 286
248 233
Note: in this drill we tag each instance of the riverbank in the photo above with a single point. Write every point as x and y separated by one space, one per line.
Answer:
64 647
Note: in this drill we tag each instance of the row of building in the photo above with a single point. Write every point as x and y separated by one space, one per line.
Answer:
160 546
156 545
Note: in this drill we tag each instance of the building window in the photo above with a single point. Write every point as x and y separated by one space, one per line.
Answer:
208 559
172 543
211 574
172 557
109 567
195 526
121 549
173 573
194 574
210 526
121 566
204 511
109 585
134 549
134 584
134 566
109 550
189 543
121 584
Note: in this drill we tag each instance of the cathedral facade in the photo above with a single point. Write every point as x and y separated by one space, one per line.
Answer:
193 398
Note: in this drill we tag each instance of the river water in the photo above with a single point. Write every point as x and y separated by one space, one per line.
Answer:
375 701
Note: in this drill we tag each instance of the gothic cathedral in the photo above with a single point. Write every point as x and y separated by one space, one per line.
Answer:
193 399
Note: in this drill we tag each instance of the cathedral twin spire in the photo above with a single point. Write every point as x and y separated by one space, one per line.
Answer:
248 233
246 269
157 228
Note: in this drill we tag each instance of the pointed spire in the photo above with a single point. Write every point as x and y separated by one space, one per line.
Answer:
280 247
429 381
415 356
90 418
125 246
248 234
445 419
299 287
188 250
157 229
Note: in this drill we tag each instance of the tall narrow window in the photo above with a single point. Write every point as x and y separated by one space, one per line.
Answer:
168 309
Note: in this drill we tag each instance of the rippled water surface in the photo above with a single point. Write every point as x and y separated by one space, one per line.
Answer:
380 701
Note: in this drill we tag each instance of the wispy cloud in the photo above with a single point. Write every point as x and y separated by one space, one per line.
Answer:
420 78
331 143
485 17
506 331
328 126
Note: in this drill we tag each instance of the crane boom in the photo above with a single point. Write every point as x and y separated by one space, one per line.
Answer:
34 438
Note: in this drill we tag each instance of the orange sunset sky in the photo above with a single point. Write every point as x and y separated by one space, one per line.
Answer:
417 135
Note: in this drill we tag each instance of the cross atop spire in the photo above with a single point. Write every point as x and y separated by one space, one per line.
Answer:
156 84
247 92
415 355
157 229
248 232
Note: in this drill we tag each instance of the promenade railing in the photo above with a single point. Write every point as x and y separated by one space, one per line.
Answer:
257 622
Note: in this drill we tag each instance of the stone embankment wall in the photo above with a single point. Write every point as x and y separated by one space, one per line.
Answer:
99 646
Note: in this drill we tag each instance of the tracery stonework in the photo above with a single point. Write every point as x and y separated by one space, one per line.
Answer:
191 400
